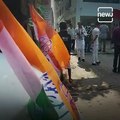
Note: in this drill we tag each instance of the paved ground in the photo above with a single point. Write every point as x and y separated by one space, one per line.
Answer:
98 95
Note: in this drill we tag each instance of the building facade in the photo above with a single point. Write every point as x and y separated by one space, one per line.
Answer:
87 9
64 10
81 10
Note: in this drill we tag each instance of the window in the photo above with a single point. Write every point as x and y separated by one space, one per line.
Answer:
68 4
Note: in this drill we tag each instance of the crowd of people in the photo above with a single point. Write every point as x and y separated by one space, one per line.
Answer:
85 39
90 39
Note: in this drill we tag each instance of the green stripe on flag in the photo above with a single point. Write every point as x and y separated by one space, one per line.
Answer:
42 109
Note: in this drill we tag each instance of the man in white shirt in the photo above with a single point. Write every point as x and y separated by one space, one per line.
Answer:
80 41
95 44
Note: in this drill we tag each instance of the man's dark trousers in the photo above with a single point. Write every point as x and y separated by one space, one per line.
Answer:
116 61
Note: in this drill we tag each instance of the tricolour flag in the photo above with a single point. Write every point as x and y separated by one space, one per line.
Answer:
40 107
45 43
35 56
27 77
50 41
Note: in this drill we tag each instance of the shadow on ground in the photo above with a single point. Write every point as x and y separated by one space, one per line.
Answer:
89 88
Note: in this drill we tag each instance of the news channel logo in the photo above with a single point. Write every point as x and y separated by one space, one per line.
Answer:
105 14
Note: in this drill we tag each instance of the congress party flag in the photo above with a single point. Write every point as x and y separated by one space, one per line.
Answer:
35 56
26 75
54 96
37 85
45 43
50 41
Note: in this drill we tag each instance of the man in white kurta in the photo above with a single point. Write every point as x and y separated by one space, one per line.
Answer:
80 41
95 44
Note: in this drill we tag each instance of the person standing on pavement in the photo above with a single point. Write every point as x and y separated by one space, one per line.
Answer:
67 41
88 38
80 41
116 41
95 44
71 31
104 30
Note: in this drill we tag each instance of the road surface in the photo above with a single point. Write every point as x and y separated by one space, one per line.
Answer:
98 94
